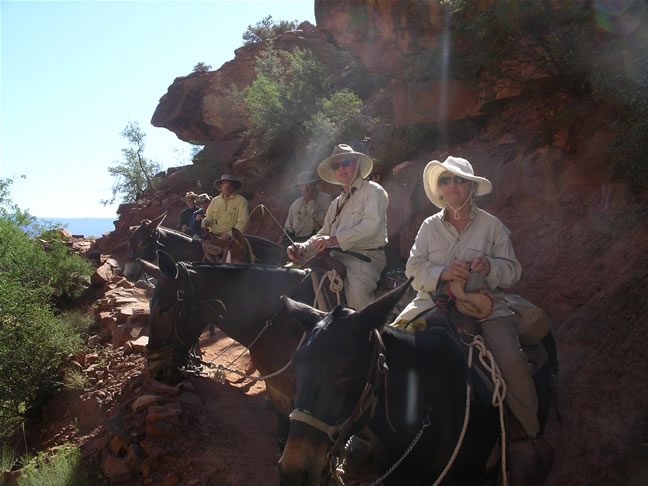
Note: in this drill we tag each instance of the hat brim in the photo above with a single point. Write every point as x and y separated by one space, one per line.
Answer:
237 184
326 173
433 171
301 183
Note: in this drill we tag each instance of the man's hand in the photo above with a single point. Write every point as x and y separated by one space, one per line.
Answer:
321 242
295 251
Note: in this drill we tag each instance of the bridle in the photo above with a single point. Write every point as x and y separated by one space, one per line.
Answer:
375 383
186 311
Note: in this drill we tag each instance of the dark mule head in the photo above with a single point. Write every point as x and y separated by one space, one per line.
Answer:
173 323
143 242
332 368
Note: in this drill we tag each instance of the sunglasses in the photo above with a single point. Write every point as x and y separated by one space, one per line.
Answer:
443 181
343 163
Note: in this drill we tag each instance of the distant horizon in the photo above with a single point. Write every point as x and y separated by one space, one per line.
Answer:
83 226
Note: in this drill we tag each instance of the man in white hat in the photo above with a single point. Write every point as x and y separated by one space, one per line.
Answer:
306 214
185 216
467 244
226 211
355 222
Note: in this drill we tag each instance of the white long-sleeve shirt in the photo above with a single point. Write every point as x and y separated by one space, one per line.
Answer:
362 220
438 244
305 218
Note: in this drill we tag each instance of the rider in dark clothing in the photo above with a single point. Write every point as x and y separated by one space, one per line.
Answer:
187 213
196 228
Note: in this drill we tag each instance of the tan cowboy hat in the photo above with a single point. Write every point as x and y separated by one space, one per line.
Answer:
457 166
202 198
341 152
228 177
189 196
306 177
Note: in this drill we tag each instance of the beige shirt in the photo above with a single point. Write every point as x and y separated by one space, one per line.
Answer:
362 221
305 218
438 244
225 214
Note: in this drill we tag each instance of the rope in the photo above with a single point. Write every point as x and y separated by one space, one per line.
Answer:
336 284
499 391
265 208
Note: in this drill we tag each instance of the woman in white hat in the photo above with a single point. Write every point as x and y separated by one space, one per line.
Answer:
467 244
355 222
306 213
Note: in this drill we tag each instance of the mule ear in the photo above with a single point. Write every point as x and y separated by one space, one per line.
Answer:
155 224
238 237
373 315
307 316
167 265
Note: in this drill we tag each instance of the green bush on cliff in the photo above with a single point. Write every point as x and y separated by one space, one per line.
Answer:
266 29
292 101
36 272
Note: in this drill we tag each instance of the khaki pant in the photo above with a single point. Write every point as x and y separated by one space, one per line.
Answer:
362 277
500 335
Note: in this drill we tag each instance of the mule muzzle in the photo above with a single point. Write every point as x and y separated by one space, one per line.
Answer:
160 363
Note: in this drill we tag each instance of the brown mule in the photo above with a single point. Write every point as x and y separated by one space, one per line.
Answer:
228 249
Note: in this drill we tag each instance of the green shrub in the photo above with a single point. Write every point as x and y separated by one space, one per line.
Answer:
63 467
339 117
267 28
37 271
293 100
32 345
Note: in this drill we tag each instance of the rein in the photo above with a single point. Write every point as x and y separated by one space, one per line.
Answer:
220 369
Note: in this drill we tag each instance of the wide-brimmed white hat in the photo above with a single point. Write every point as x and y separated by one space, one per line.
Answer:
189 196
228 177
342 152
202 198
306 177
457 166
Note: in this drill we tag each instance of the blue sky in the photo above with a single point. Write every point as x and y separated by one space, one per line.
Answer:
73 74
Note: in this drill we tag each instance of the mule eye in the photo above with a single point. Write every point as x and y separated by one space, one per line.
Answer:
165 309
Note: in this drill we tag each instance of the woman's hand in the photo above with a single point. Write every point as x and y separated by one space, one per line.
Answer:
480 265
321 242
457 270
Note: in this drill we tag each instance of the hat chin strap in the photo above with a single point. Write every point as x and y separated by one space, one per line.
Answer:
456 210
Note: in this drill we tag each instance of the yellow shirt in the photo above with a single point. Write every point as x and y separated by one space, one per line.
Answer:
225 214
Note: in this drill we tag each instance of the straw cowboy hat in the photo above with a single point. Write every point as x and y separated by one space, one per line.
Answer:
457 166
228 177
306 177
343 152
189 196
202 198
